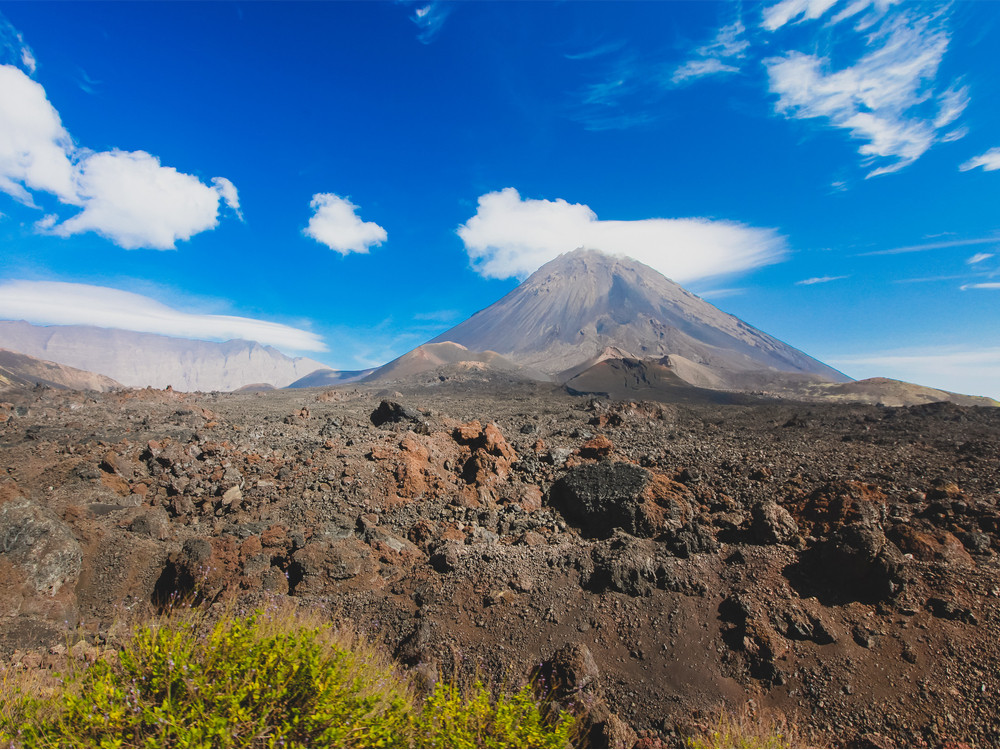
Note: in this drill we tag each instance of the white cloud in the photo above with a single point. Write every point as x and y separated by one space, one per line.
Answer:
60 303
46 223
430 18
34 146
127 197
722 293
787 11
984 285
13 48
336 224
227 191
933 246
716 57
512 237
819 280
989 161
135 202
878 6
700 68
886 98
979 258
972 370
598 51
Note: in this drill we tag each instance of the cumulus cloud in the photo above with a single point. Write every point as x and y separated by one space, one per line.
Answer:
60 303
35 148
135 202
512 237
336 224
127 197
989 161
819 280
888 97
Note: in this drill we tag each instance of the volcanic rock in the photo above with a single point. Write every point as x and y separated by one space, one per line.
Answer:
38 545
600 497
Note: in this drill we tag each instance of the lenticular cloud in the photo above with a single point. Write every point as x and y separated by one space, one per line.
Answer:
512 237
62 303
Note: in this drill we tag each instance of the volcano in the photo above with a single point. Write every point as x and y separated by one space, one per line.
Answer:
586 307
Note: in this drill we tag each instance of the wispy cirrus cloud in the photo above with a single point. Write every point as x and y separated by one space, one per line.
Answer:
13 49
989 161
86 84
790 11
933 246
979 258
429 18
820 280
61 303
599 50
889 97
510 236
631 88
129 197
620 98
721 55
722 293
983 285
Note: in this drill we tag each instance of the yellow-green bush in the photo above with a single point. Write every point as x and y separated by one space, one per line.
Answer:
265 680
452 717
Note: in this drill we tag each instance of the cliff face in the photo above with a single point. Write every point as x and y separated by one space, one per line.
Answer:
146 359
575 307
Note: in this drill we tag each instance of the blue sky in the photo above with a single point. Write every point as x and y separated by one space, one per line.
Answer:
347 180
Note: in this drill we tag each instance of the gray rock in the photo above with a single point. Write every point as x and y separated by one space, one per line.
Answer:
39 545
154 523
772 524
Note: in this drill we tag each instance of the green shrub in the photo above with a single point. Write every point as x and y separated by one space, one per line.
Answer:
267 680
451 717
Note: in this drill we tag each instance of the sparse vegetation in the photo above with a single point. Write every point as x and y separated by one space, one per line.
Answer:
269 679
748 727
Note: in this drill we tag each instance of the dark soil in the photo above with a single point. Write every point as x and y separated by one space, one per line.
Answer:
836 563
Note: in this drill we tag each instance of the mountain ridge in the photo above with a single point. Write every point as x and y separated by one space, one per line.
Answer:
138 360
19 370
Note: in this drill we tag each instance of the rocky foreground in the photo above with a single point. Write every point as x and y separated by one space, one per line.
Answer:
836 563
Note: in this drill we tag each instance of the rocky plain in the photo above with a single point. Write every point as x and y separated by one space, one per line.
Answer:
654 562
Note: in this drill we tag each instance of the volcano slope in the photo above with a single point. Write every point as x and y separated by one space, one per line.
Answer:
837 563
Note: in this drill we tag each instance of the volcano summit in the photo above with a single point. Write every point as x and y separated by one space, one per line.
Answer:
586 306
